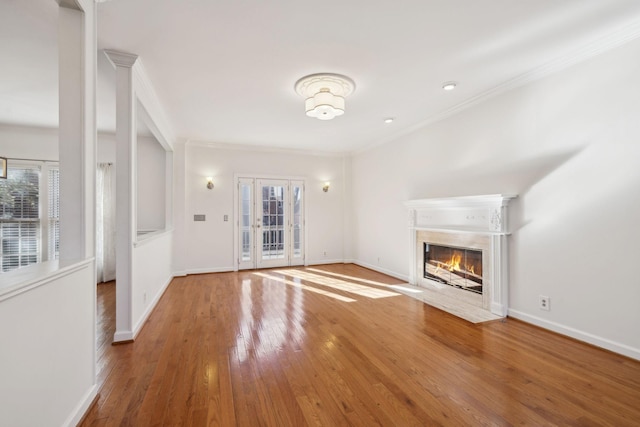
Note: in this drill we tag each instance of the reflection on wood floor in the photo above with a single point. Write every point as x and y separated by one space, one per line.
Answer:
336 345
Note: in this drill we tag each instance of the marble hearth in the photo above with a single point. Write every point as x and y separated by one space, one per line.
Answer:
474 222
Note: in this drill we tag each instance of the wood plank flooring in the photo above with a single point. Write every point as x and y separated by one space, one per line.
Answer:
270 348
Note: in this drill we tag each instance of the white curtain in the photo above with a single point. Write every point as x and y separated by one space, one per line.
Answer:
105 224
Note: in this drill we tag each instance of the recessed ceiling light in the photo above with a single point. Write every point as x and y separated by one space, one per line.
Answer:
389 120
449 85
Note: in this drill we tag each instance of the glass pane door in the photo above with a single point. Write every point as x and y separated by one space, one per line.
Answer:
245 224
297 223
272 221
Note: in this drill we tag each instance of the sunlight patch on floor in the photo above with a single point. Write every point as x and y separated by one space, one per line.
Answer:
371 282
354 288
305 287
405 289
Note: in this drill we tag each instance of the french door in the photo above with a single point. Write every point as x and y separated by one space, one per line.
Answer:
270 220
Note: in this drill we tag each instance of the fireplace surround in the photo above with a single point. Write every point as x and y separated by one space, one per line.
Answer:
477 224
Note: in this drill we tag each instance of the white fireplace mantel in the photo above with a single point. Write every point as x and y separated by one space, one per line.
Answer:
474 221
477 214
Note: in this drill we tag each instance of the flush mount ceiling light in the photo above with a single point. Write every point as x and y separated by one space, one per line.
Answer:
449 85
324 94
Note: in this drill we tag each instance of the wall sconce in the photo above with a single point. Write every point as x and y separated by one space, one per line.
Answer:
210 183
325 188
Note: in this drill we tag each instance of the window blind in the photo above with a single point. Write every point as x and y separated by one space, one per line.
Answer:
20 218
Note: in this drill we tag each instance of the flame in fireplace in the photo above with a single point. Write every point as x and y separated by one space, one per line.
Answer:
454 263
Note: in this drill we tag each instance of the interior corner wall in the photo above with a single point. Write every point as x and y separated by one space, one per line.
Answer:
568 145
209 245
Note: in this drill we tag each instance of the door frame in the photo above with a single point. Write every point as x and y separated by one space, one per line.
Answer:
236 213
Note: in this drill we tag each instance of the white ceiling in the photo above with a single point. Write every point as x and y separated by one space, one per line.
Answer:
224 70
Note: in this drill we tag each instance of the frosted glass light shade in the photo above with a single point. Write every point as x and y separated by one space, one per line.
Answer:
324 106
324 94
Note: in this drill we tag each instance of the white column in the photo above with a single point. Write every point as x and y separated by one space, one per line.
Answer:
126 215
77 70
77 129
413 280
499 275
179 212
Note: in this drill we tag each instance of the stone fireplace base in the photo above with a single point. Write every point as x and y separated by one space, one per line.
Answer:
448 299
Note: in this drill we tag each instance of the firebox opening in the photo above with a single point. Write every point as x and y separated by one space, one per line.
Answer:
459 267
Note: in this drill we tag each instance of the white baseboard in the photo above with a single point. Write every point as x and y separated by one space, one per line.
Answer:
150 307
498 309
209 270
616 347
179 273
82 407
377 268
123 336
324 261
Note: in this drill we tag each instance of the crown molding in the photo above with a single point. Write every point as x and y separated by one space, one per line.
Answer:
604 44
151 112
263 149
69 4
121 59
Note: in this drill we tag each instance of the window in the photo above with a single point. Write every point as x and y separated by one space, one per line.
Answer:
22 199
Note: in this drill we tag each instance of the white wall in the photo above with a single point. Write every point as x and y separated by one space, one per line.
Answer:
42 143
151 184
152 273
209 244
26 142
106 149
569 145
48 345
151 176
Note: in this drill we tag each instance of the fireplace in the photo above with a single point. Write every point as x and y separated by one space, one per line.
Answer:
459 254
453 266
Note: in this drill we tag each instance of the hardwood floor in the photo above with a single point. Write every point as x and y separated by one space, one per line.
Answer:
276 348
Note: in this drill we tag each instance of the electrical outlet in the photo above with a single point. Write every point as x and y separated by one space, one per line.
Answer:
324 253
144 298
544 303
